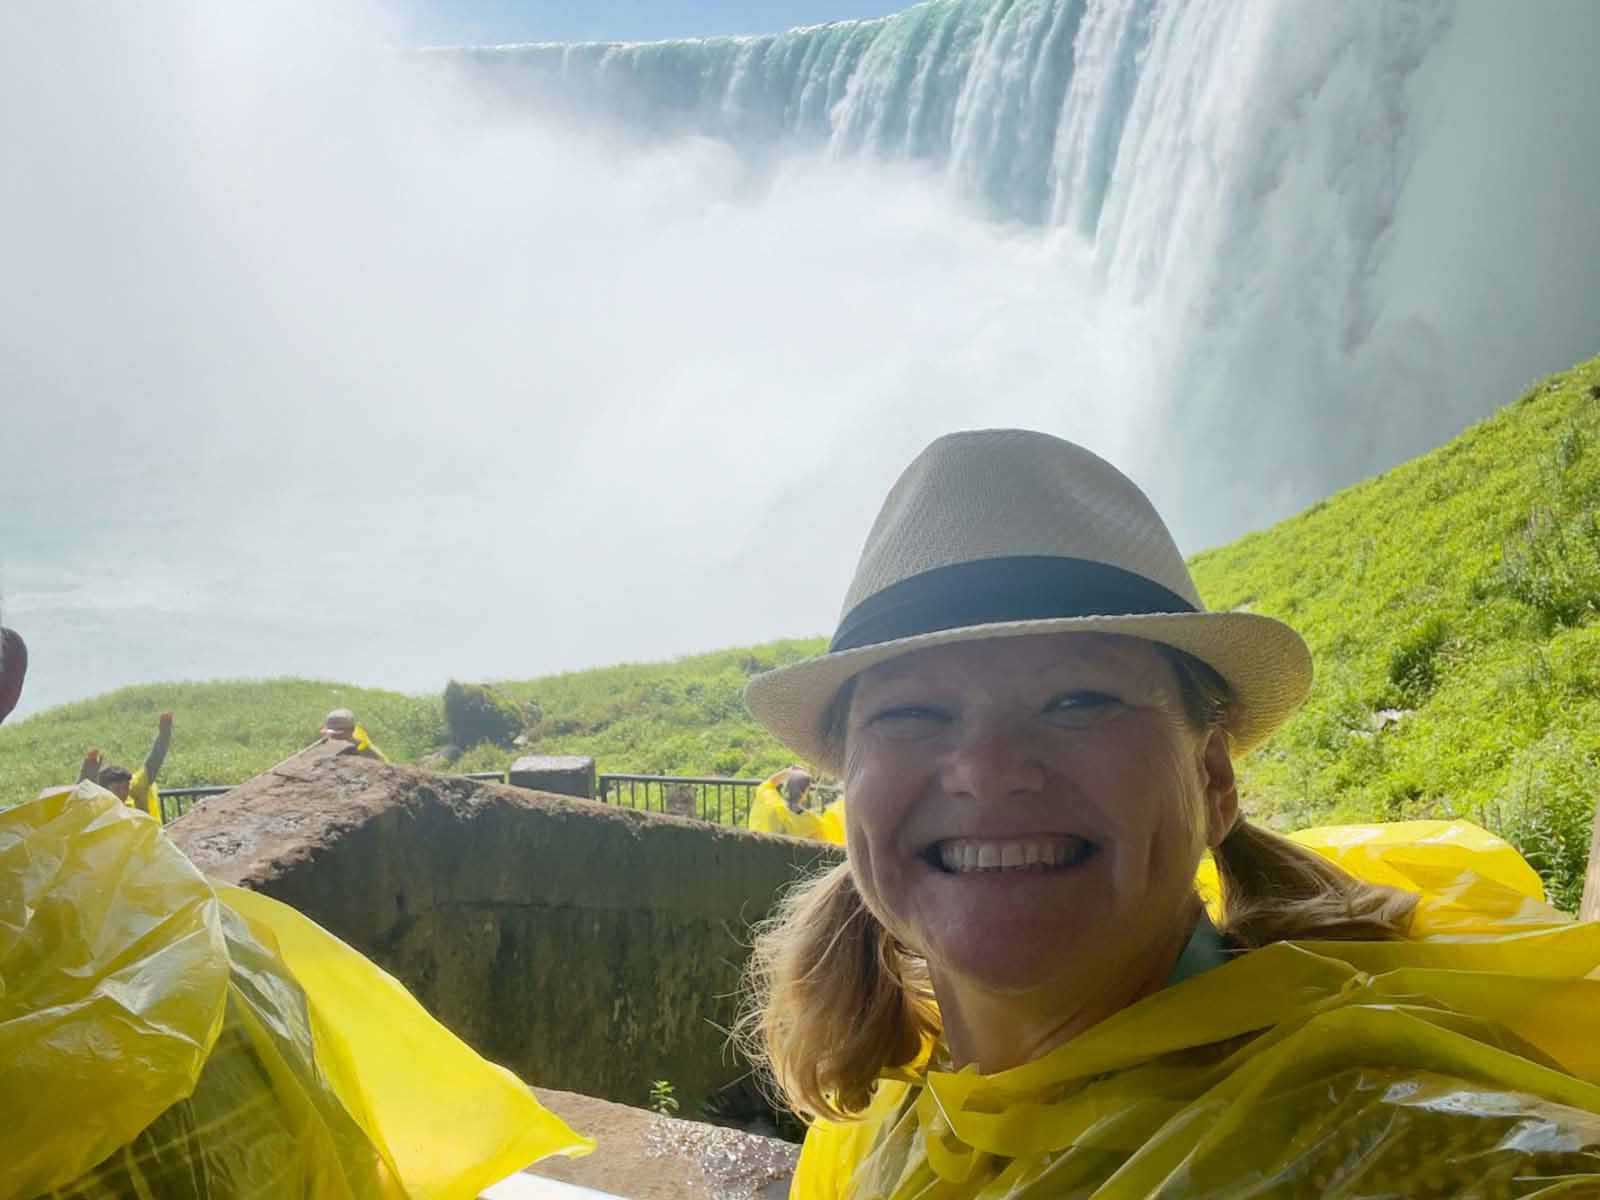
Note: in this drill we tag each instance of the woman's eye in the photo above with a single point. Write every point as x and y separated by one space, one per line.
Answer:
1080 706
906 719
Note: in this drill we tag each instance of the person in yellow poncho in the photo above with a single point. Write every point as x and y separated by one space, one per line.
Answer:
164 1036
134 788
341 725
778 806
1013 988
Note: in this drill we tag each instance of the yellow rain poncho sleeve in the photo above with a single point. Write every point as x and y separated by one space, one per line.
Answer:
1462 1063
163 1037
143 795
364 745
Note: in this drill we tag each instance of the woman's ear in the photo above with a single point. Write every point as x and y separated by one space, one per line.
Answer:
1221 788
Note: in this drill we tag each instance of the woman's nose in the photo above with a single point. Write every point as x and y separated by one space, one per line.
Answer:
994 761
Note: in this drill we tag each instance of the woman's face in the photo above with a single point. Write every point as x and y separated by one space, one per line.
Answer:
1028 813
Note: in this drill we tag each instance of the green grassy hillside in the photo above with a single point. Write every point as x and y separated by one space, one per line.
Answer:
1453 605
684 718
222 732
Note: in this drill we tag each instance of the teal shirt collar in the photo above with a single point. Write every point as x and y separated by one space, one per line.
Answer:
1207 948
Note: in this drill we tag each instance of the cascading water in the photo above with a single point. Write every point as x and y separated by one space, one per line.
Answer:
1286 189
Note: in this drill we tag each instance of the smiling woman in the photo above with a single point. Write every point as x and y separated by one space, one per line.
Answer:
1012 986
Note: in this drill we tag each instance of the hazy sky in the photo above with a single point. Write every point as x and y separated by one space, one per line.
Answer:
462 22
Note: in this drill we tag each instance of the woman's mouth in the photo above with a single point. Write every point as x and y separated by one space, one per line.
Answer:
961 856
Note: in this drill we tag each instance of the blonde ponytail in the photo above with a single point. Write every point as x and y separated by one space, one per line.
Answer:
1272 889
1276 891
832 999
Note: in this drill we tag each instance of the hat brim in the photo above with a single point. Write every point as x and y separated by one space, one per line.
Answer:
1265 662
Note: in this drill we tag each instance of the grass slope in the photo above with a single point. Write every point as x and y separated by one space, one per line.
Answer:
683 718
223 732
1459 594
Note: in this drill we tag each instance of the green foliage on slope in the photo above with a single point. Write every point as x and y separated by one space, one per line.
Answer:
1453 606
683 718
676 718
223 732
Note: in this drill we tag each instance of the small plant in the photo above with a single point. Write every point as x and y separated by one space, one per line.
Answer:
663 1101
1413 663
1554 567
1570 448
1547 813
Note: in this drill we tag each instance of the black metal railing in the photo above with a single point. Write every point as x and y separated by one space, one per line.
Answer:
179 800
718 799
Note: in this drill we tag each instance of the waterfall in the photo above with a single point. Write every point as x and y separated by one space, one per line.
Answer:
1035 107
1355 227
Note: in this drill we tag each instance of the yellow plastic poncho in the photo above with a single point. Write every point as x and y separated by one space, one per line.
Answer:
832 821
363 741
164 1037
1462 1063
143 794
770 813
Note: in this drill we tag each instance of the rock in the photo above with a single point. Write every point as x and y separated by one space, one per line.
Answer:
1386 717
562 774
443 757
647 1156
585 946
476 713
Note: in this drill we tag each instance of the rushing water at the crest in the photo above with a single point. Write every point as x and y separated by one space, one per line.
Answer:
1317 203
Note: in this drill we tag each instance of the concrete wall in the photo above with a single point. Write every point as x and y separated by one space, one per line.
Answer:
586 947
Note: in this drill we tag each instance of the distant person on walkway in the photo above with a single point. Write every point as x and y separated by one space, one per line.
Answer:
134 788
341 726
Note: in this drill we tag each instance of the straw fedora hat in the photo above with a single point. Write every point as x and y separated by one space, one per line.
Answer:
1005 533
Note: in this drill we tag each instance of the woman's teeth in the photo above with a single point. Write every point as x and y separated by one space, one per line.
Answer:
960 855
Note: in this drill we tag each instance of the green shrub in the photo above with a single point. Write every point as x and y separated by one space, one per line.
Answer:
475 713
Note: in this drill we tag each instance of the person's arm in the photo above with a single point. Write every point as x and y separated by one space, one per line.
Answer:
91 767
158 750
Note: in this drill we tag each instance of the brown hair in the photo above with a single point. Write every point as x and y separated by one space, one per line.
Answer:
833 1000
113 774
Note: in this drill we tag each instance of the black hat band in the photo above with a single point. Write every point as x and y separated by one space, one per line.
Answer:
992 591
